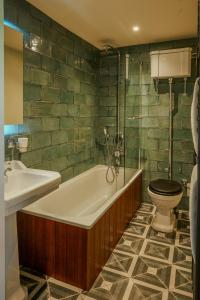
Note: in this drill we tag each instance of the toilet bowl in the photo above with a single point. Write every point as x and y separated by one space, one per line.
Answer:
166 195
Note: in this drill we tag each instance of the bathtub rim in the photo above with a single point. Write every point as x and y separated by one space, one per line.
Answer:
87 221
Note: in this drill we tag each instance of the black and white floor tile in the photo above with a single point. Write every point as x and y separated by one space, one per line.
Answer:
144 265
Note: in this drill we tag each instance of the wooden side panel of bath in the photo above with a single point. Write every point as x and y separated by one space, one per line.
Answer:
72 254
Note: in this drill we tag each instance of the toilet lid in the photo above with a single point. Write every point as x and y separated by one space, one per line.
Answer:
165 187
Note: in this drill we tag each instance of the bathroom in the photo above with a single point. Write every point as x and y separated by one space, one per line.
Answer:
98 185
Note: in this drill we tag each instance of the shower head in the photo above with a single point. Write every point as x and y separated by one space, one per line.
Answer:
109 50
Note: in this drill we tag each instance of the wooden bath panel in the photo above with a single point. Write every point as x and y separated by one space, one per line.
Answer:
72 254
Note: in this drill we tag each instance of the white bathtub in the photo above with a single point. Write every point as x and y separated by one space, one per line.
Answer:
82 200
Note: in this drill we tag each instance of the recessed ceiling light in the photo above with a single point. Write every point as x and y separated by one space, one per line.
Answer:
136 28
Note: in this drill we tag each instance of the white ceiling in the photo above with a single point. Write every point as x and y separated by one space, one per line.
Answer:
111 21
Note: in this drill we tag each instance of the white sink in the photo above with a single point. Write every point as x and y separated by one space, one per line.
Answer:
22 187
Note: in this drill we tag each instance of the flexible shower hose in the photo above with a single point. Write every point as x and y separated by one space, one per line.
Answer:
110 167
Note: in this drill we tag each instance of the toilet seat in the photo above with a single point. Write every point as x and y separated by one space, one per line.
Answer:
165 187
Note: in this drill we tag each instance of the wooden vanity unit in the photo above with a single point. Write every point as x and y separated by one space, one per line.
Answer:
70 253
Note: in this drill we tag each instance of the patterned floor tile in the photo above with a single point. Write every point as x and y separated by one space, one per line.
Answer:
156 250
184 215
153 272
35 283
142 218
146 208
140 291
183 226
183 281
130 244
176 296
182 257
168 238
184 240
120 262
136 229
108 286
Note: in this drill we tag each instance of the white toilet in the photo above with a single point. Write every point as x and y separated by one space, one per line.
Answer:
166 195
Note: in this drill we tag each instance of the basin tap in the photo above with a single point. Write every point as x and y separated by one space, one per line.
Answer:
8 169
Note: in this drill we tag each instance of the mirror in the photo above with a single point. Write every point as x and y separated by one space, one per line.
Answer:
13 76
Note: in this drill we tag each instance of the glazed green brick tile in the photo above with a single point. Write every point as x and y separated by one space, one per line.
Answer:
40 77
103 111
27 109
75 85
86 111
66 70
32 58
32 92
112 111
60 82
177 121
67 174
39 45
50 153
66 122
183 156
59 110
67 97
26 73
184 111
151 144
41 109
58 164
50 94
33 124
27 22
73 110
163 122
10 12
138 90
65 42
59 53
107 101
158 111
164 99
104 91
149 122
187 146
79 98
162 166
158 133
184 99
32 158
79 146
180 134
86 122
70 58
187 170
49 64
163 145
40 140
186 123
159 156
50 124
59 137
87 89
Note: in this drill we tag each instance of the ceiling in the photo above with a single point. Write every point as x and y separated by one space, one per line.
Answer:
111 21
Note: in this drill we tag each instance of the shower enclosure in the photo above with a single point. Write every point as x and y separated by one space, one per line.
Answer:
118 134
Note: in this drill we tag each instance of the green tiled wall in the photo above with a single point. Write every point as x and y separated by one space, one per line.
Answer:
140 97
60 93
70 95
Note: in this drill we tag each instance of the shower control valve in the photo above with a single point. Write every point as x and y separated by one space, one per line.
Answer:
117 153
